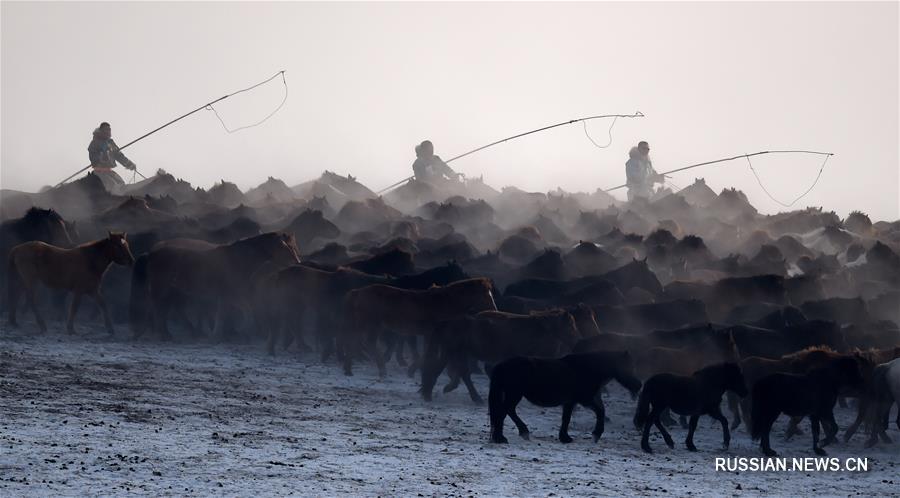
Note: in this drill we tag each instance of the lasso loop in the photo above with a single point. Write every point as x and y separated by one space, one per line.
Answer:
283 100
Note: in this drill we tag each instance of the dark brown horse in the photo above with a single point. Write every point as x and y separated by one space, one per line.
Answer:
297 293
567 381
812 394
222 274
800 362
79 270
695 395
44 225
376 309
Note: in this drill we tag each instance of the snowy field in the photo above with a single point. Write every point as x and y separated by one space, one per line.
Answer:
89 415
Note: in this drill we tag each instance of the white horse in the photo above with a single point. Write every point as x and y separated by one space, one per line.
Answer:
885 392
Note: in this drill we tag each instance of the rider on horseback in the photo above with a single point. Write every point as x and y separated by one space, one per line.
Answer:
431 168
104 153
640 173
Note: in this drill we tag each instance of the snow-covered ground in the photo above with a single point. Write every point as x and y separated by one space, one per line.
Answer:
89 415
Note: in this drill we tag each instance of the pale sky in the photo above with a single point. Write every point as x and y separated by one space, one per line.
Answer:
369 81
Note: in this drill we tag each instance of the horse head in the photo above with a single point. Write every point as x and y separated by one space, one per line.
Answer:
117 249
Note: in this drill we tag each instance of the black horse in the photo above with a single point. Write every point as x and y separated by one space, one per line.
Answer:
813 394
699 394
567 381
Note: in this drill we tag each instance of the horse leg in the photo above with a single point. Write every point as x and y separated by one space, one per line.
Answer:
463 367
665 433
689 442
734 403
498 414
898 415
886 422
390 342
645 433
564 427
726 434
161 318
880 411
597 405
454 381
814 427
745 408
793 428
73 310
380 361
510 404
432 367
666 418
106 320
831 429
30 296
764 443
861 408
416 362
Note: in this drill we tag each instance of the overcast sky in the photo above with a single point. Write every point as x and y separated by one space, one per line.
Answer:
369 81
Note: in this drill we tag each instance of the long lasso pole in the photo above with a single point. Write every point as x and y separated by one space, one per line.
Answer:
732 159
637 114
179 118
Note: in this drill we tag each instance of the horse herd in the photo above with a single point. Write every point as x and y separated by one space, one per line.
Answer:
684 331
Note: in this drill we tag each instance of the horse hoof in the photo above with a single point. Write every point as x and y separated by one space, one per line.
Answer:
670 444
870 443
735 424
477 400
886 439
647 448
820 452
770 453
692 448
565 439
499 440
525 435
597 437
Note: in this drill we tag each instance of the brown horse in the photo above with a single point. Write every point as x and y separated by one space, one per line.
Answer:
493 336
289 296
222 274
800 362
79 270
376 309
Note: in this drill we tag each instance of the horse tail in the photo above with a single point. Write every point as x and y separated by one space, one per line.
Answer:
757 418
138 314
643 408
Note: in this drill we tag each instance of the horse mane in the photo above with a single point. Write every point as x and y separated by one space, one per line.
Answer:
805 351
36 214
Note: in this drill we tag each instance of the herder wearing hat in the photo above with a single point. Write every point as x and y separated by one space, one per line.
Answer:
103 153
430 168
639 173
